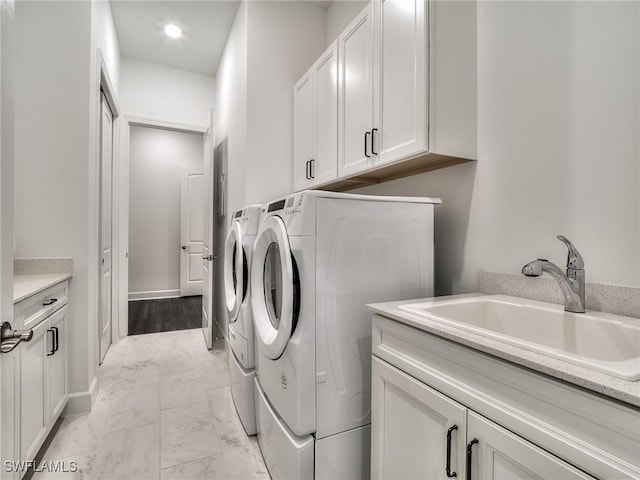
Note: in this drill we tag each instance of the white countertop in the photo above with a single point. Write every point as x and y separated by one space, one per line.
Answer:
26 285
622 390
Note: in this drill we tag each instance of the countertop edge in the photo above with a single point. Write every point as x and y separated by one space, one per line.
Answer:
41 281
621 390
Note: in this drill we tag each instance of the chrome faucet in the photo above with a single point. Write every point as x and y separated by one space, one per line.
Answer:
571 283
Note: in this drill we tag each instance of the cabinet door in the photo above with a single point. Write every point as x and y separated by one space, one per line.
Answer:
324 167
33 419
400 85
302 131
409 426
355 104
56 371
499 454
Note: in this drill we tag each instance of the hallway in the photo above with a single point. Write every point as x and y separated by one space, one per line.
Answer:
164 410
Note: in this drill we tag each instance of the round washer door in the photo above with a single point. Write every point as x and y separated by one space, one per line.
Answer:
273 288
235 268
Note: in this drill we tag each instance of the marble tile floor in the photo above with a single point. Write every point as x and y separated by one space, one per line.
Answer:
164 411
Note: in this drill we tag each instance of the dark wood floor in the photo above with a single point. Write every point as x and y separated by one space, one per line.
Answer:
165 314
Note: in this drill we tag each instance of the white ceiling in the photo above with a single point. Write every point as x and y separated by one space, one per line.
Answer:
206 25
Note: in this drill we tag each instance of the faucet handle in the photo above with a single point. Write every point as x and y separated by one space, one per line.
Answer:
574 259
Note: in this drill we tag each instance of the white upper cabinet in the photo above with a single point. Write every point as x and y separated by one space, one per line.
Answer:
302 132
406 96
315 100
355 105
324 165
400 80
383 86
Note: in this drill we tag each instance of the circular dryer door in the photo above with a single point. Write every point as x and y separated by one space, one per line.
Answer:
235 271
275 288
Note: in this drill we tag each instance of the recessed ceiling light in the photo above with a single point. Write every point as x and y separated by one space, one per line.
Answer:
173 31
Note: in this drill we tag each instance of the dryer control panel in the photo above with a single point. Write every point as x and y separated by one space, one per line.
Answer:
296 211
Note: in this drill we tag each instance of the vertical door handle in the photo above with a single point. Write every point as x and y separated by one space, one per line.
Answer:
312 165
469 454
450 474
373 139
366 134
53 342
56 339
306 170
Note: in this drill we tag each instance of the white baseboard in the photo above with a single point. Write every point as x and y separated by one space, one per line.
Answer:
154 294
81 402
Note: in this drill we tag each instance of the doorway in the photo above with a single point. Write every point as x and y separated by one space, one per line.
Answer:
166 196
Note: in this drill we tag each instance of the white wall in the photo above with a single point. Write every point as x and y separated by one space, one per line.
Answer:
270 46
231 108
558 149
339 15
156 160
52 148
231 122
285 39
168 94
105 38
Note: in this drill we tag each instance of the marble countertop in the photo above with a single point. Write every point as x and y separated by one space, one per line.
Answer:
622 390
26 285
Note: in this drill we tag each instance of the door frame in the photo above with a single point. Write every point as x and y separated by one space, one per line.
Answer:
105 85
121 181
8 441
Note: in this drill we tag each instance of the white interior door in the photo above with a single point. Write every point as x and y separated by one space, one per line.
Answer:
208 247
122 281
192 203
106 169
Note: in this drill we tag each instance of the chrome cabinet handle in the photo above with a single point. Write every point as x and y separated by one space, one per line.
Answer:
312 164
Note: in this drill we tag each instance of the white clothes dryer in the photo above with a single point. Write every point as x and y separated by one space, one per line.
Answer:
319 259
238 251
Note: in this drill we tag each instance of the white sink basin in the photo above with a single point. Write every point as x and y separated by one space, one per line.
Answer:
599 341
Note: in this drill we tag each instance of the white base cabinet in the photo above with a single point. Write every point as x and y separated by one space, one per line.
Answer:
420 433
40 376
441 410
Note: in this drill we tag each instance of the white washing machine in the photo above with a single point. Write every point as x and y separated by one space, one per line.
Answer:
319 259
238 251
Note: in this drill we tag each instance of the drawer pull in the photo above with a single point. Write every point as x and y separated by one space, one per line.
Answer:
51 301
450 474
